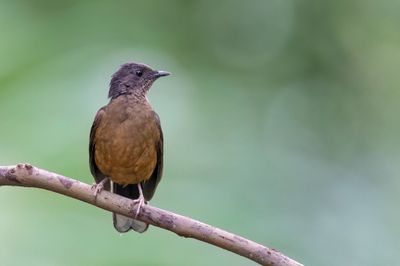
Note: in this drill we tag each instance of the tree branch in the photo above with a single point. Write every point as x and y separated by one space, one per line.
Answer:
26 175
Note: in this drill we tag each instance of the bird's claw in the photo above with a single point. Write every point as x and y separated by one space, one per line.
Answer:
99 186
98 189
140 202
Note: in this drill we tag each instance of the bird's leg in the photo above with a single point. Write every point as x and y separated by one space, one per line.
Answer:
99 186
140 201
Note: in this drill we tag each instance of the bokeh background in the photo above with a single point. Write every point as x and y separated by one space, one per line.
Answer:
280 123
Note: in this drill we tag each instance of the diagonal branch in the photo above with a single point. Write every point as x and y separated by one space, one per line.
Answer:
26 175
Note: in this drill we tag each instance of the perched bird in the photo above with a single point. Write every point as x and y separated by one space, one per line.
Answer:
126 141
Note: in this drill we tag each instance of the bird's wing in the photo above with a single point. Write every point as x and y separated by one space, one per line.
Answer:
150 185
97 174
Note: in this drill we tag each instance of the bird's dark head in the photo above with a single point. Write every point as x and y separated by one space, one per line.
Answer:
133 78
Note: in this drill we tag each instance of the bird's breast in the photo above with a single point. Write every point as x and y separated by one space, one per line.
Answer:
125 148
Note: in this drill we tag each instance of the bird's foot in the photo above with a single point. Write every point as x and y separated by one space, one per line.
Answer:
140 202
99 186
97 189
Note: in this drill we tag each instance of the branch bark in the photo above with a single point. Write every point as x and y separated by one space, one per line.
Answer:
25 175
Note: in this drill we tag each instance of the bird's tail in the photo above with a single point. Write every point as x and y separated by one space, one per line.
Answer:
122 223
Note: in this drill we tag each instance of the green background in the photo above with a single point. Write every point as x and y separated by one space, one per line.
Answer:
280 124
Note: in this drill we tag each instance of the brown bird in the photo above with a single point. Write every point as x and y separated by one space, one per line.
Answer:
126 141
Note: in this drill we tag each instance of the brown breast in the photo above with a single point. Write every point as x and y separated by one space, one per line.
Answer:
126 138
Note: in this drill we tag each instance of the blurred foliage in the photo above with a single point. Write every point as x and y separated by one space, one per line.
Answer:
280 123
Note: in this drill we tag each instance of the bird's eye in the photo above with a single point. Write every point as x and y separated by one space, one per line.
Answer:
139 73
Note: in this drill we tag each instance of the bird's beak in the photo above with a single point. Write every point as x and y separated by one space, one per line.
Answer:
160 73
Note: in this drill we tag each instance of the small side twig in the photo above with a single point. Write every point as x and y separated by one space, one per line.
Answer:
26 175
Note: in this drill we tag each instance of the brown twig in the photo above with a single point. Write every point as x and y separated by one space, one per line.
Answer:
26 175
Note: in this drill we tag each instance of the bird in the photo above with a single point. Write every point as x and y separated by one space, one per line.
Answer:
126 142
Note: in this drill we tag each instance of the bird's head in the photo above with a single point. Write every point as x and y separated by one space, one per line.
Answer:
133 78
